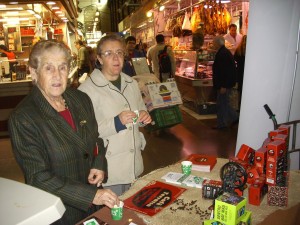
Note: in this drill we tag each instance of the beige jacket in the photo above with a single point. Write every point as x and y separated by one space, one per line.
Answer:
123 154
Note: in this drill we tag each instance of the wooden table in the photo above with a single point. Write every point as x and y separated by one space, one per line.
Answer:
177 214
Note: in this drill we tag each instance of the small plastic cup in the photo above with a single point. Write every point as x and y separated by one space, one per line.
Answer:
186 167
134 120
117 211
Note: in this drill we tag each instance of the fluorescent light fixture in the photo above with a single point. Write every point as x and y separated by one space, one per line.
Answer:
2 6
31 11
37 16
97 13
96 19
14 3
50 3
58 12
225 1
55 8
13 13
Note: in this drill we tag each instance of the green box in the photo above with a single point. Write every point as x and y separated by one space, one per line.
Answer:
164 118
212 222
229 208
246 218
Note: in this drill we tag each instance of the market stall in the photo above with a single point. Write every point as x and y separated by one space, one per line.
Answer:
189 26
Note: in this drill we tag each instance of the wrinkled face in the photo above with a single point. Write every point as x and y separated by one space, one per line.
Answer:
112 58
232 31
52 75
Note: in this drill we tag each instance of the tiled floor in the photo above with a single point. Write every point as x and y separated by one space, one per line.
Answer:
163 148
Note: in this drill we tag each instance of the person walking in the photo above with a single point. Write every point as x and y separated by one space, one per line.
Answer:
83 58
55 138
153 58
224 79
120 110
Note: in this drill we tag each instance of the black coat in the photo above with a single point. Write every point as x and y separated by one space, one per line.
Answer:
53 156
224 69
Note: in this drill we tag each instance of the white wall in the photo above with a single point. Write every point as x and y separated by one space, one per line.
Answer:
270 71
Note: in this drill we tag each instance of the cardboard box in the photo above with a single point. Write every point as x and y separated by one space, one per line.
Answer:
253 174
246 153
211 188
273 133
163 94
260 159
256 192
212 222
276 150
229 208
246 219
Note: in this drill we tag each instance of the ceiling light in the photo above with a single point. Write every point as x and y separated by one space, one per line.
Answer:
161 8
2 6
55 8
50 3
97 13
149 14
225 1
96 19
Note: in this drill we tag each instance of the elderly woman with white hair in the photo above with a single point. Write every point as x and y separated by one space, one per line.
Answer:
55 137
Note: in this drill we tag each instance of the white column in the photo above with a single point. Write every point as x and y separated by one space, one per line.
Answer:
271 76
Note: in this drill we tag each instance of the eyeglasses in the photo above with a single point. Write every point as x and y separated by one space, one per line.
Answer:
111 54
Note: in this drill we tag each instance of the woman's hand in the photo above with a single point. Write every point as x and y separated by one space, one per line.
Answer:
96 177
144 117
106 197
126 117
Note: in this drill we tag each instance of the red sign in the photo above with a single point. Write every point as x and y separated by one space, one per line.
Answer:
153 198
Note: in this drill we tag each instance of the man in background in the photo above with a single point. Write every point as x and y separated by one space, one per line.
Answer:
131 52
233 39
152 56
224 78
83 58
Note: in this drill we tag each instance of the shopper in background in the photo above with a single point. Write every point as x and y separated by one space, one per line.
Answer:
239 57
232 38
224 78
152 56
131 52
83 58
119 110
4 52
55 137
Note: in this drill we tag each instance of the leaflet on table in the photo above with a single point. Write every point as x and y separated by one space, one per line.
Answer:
183 179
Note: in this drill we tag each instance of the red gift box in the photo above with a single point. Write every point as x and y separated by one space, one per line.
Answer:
260 159
256 192
276 150
246 153
253 174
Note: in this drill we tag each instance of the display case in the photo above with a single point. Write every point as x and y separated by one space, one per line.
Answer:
194 79
194 64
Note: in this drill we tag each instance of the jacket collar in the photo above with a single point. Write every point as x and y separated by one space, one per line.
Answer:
99 80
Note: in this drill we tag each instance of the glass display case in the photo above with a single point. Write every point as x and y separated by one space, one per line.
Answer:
194 64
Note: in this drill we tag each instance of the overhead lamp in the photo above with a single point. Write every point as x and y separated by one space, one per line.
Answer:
55 8
225 1
50 3
149 14
97 13
161 8
96 19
